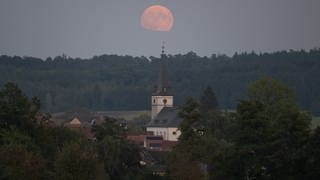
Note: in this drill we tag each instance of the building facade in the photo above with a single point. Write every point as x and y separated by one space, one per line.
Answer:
164 116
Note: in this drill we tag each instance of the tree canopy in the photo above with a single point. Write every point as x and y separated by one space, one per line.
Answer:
111 82
29 149
268 137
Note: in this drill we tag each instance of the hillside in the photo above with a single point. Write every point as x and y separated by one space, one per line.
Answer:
111 82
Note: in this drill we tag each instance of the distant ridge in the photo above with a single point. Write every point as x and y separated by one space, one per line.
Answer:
111 82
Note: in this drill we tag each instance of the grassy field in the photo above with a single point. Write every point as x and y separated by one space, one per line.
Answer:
127 115
62 117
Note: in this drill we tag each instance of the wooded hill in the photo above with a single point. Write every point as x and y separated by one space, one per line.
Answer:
112 82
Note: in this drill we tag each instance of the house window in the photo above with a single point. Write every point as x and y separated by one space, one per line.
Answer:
154 101
174 133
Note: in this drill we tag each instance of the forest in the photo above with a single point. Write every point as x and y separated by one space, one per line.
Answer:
268 136
113 82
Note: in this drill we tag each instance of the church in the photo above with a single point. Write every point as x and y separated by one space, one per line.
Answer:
165 118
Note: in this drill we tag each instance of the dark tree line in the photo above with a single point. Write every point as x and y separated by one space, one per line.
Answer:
267 137
111 82
32 148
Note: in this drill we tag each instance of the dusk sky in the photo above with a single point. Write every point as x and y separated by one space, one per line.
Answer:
84 28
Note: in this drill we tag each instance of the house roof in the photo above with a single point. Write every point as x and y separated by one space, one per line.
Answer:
168 117
75 121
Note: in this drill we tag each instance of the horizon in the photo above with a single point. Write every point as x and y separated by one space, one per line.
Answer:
159 56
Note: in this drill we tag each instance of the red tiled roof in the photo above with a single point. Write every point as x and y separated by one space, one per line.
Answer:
136 138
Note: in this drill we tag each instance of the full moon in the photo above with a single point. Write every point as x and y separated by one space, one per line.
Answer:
157 18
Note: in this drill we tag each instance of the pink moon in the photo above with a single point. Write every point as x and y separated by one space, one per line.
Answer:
157 18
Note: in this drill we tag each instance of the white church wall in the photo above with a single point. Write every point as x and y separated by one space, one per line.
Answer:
159 131
159 102
173 134
168 133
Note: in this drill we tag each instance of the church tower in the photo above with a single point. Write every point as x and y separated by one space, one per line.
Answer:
162 95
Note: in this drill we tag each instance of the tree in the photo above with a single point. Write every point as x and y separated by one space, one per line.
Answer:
51 141
121 158
16 110
312 154
212 119
187 154
49 102
17 162
18 137
191 120
272 129
269 91
183 166
125 82
216 145
97 97
217 156
110 127
77 161
208 101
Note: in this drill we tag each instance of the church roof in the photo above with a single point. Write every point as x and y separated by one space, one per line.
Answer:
163 87
168 117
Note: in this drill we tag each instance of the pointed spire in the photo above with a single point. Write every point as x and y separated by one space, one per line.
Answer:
162 50
163 87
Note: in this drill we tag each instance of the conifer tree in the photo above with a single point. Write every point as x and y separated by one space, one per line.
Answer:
208 100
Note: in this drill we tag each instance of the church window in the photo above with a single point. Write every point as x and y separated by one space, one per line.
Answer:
165 101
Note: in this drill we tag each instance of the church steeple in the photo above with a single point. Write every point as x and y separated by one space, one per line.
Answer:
162 96
163 87
163 55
